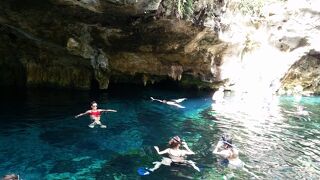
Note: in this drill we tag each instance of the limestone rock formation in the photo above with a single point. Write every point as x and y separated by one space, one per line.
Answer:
85 44
266 47
303 76
88 43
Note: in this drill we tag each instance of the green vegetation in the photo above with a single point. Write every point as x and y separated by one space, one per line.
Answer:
187 10
184 8
253 7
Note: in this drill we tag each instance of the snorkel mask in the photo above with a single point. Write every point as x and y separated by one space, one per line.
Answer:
177 139
226 140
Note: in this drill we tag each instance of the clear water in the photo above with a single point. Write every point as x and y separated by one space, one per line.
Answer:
40 139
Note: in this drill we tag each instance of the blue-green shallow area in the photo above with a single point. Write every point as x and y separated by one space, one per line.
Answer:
41 139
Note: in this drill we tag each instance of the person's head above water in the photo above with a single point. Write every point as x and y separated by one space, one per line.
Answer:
227 141
10 177
175 142
94 105
300 108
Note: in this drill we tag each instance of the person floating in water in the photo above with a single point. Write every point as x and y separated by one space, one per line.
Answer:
230 155
174 102
95 115
176 155
301 111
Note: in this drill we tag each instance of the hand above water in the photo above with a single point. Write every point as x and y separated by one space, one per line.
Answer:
184 144
220 144
156 148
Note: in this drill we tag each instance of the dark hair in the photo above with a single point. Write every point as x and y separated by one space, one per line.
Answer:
93 102
227 140
10 177
175 142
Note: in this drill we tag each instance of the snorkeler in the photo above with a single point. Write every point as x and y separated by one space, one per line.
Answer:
11 177
230 155
172 102
301 111
95 115
176 155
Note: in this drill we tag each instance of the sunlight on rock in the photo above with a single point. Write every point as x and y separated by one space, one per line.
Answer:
263 49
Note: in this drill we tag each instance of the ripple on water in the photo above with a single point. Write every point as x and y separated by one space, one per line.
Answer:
282 144
48 143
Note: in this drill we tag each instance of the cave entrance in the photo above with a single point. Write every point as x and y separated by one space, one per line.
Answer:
94 85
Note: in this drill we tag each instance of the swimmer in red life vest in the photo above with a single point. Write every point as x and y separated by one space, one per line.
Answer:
95 115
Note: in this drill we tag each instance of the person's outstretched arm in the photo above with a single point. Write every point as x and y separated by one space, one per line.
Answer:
224 154
160 152
188 151
81 114
218 146
153 99
107 110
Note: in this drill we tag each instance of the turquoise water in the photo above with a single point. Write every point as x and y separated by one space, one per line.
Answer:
40 139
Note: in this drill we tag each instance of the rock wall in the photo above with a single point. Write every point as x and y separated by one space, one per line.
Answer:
304 76
268 45
81 44
85 44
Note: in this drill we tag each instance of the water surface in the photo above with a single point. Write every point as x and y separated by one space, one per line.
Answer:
40 139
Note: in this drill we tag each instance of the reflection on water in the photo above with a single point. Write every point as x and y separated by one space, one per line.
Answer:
279 137
40 139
